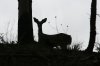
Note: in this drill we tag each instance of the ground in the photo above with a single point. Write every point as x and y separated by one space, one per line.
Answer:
34 55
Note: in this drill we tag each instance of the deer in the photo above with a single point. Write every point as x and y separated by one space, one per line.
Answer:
55 40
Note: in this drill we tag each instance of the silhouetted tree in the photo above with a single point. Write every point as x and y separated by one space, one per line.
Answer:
25 30
92 26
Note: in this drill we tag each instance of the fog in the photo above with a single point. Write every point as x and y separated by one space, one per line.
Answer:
72 17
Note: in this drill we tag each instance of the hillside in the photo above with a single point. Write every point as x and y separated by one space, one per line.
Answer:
36 55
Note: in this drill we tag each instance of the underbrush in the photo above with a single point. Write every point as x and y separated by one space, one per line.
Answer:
42 55
75 47
97 47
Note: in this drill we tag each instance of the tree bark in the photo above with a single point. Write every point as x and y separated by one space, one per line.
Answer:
25 28
92 26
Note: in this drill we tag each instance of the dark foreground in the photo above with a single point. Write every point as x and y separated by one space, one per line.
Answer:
30 55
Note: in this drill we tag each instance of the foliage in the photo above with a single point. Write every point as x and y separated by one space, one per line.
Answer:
97 46
76 46
2 38
3 41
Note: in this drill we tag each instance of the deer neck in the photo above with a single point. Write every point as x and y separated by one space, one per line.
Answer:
40 32
40 29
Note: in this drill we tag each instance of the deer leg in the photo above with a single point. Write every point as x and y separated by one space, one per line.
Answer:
58 47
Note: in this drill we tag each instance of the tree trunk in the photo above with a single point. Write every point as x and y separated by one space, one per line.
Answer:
92 26
25 29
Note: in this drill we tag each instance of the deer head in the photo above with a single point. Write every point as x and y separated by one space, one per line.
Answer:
40 22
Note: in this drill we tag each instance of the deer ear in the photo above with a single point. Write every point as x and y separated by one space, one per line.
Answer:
35 20
44 20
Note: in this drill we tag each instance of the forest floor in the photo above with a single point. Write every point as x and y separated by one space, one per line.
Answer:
30 55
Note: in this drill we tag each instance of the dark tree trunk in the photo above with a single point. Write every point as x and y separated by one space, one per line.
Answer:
25 29
92 26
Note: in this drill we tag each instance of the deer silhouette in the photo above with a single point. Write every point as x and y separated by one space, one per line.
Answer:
55 40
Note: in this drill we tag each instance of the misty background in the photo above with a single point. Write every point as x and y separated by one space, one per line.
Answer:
63 16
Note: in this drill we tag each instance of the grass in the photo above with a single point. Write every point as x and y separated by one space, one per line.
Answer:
76 46
41 57
36 54
3 41
4 37
97 47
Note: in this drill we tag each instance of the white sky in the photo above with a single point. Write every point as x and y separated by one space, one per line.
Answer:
74 13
